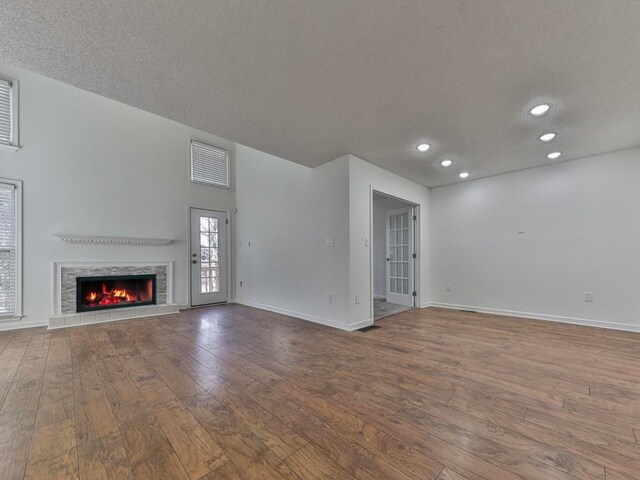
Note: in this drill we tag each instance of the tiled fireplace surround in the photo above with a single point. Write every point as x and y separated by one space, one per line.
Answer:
65 274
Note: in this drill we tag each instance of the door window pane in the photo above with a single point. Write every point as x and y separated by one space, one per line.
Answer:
209 266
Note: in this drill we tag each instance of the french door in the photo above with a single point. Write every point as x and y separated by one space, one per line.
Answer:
208 257
400 256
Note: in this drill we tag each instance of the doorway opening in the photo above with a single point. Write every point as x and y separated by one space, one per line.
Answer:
393 255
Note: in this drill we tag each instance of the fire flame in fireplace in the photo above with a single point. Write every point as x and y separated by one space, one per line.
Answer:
109 297
120 293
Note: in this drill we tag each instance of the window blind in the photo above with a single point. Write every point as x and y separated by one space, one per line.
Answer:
8 250
209 165
5 113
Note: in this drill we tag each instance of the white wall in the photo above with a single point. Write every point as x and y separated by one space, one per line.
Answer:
363 178
381 206
582 234
94 166
286 212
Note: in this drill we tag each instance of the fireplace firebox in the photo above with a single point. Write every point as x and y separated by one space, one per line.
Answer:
101 293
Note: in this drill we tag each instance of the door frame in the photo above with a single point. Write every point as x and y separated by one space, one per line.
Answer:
230 293
416 245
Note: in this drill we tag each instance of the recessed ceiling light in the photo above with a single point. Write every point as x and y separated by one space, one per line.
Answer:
539 110
554 155
446 163
423 147
463 174
547 137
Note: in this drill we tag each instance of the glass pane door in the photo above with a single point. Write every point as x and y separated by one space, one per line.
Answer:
400 261
208 257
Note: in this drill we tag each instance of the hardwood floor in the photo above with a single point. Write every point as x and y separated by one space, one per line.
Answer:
233 393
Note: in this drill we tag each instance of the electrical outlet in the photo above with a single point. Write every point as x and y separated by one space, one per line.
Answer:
357 298
520 229
447 287
329 241
588 297
366 242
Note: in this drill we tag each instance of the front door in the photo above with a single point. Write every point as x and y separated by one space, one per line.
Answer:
400 259
208 257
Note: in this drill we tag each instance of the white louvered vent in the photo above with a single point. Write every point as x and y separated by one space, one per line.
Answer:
209 165
8 250
6 115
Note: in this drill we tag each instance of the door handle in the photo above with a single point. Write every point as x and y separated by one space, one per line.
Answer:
388 259
194 261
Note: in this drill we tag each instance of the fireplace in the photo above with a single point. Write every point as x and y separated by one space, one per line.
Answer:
106 292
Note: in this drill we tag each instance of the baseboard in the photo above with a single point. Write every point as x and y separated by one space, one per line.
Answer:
540 316
303 316
379 297
20 325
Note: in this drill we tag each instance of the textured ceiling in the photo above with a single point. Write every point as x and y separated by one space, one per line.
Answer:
312 80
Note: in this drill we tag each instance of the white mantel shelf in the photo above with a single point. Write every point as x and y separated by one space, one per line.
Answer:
93 239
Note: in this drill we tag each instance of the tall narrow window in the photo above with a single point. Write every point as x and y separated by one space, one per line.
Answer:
8 114
209 165
9 254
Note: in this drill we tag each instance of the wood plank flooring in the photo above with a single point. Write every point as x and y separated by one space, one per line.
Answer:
232 392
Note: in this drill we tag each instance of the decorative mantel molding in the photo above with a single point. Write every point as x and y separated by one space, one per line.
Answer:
93 239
